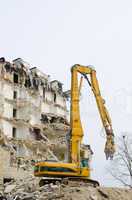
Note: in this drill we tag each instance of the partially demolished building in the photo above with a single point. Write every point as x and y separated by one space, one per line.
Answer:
32 108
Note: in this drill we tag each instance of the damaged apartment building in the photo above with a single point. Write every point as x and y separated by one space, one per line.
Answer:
32 108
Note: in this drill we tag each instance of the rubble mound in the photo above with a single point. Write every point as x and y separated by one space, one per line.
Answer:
28 189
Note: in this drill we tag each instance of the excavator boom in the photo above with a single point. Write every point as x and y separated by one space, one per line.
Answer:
76 126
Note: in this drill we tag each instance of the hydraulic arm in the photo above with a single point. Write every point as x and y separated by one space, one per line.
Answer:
76 126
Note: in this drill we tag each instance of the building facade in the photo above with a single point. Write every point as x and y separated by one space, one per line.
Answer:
28 101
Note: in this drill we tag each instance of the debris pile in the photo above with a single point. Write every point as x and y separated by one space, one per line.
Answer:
49 146
29 189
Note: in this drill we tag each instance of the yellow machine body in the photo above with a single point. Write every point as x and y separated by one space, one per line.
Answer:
58 169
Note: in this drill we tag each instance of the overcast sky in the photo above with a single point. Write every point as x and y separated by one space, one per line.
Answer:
55 34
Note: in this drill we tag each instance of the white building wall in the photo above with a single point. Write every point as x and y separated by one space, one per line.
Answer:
7 91
35 117
45 108
35 101
49 96
8 110
29 105
60 111
53 109
41 92
1 87
22 94
60 100
22 132
23 113
7 128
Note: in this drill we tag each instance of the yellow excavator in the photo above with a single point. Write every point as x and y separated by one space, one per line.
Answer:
77 168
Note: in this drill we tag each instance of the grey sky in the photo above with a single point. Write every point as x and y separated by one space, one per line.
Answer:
55 34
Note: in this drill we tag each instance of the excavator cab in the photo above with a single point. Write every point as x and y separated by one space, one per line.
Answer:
85 162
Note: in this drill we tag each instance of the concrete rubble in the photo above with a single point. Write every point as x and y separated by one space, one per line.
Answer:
28 189
47 148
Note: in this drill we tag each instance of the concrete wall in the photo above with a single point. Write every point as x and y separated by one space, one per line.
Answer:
4 162
29 108
49 96
8 110
60 100
45 107
6 171
7 128
8 91
35 117
22 132
29 104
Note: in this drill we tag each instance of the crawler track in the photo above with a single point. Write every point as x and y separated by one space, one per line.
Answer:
67 181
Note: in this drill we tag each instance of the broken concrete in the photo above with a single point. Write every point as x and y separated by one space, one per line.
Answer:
28 189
